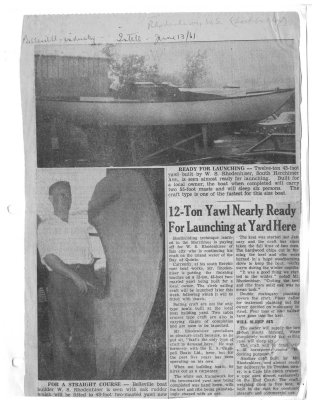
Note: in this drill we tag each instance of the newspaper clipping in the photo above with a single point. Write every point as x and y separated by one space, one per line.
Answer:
163 191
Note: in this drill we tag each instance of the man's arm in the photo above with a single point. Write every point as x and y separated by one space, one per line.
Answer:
57 265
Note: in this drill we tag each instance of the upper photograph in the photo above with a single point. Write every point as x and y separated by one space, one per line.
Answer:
158 103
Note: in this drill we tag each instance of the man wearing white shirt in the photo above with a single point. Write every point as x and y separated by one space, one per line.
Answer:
64 248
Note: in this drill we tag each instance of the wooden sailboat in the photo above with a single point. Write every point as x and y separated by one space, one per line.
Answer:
153 104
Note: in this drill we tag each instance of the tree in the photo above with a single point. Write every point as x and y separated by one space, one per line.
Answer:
195 68
132 68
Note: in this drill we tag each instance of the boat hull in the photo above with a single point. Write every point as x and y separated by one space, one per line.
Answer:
131 234
253 107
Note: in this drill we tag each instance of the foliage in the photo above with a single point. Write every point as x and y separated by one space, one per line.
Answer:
133 68
195 68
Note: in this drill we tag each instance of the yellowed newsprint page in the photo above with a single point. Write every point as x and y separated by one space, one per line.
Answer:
163 192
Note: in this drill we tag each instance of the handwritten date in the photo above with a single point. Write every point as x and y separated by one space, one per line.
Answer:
177 37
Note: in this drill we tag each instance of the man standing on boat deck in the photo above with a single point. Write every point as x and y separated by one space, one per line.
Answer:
65 250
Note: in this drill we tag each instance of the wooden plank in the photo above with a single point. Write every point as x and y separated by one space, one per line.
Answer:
164 149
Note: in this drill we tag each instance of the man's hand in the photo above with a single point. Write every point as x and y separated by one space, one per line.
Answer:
57 265
80 283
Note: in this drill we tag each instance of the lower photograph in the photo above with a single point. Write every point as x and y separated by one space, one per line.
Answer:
101 274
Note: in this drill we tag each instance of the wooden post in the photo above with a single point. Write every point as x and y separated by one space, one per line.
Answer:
54 144
132 130
207 137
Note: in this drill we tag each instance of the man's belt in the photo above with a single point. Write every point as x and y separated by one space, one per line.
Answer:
78 266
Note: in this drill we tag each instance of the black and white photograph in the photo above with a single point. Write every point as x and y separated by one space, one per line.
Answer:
162 103
101 274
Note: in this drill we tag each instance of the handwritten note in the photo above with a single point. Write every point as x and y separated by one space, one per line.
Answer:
166 29
239 20
48 39
129 37
159 24
181 37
